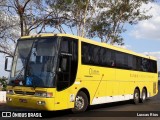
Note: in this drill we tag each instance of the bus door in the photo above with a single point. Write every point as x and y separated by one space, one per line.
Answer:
66 72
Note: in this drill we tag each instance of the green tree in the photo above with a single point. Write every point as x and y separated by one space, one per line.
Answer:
110 23
9 28
20 18
3 82
71 13
104 19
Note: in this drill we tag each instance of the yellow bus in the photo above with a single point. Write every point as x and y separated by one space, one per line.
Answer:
61 71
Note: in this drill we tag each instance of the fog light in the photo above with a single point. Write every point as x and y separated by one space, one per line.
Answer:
9 99
11 92
41 103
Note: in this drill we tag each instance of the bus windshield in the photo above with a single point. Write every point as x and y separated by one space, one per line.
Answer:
34 62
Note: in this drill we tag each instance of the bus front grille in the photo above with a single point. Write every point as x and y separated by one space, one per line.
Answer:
24 92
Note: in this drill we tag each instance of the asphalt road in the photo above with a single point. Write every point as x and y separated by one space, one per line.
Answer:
119 110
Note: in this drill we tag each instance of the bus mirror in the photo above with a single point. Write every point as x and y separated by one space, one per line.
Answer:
7 58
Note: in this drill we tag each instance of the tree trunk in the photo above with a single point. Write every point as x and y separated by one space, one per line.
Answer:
84 19
21 23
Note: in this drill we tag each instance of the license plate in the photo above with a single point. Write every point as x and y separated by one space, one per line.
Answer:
23 100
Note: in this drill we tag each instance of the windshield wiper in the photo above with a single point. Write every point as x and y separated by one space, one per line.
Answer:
28 74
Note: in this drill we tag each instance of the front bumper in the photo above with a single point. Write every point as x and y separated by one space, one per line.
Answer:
29 101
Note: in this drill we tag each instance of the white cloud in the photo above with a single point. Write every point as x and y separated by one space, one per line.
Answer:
155 54
129 47
149 29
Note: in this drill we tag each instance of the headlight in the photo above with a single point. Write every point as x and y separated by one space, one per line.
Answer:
11 92
44 94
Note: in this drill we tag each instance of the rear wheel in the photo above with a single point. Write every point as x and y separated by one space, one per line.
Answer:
136 96
144 96
81 102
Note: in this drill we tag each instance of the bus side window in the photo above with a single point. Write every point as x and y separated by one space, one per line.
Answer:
85 54
145 65
138 64
130 62
112 59
65 46
112 63
95 55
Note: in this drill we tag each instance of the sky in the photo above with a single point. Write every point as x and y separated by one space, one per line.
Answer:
143 37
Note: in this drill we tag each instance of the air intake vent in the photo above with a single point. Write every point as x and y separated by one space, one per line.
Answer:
24 92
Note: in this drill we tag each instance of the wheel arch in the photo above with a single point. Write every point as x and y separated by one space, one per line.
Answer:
146 90
86 92
138 90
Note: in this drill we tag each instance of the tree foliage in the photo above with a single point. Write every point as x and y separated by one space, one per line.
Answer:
104 19
71 13
3 83
20 18
8 30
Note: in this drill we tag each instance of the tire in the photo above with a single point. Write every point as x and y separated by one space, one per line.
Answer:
144 96
136 96
81 103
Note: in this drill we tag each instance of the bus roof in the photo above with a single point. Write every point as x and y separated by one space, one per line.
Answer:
92 42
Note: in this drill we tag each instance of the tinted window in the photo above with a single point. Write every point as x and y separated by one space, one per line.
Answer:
119 60
85 54
152 66
65 46
138 64
96 52
99 56
95 55
130 62
145 65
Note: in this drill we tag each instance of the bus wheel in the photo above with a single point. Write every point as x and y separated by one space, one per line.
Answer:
136 96
144 96
81 102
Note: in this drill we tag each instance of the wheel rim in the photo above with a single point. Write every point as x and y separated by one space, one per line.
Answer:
79 103
144 96
136 96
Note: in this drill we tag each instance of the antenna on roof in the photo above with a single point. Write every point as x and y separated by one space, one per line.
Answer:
45 32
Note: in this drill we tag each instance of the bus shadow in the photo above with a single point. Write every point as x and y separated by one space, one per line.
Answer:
69 113
108 106
54 114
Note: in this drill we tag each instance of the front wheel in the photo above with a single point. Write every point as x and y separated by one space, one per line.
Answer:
81 103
